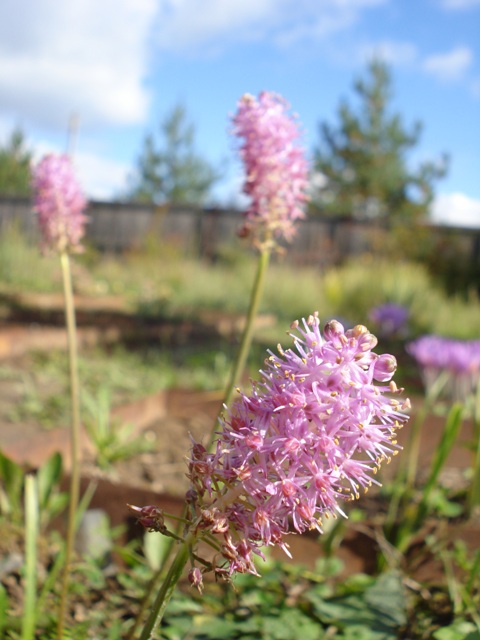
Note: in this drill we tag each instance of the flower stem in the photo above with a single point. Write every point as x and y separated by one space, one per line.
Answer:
405 480
166 590
74 436
255 296
413 448
31 535
150 589
474 495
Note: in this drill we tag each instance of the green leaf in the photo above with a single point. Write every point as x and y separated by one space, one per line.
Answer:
291 624
215 628
181 604
12 475
155 547
380 608
48 477
3 610
387 596
459 630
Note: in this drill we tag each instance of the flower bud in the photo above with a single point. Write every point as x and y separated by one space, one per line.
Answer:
195 578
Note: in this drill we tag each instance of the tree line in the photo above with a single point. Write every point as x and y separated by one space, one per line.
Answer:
359 166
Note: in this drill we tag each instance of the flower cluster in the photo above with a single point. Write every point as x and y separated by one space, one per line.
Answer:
312 434
275 166
457 360
390 318
59 203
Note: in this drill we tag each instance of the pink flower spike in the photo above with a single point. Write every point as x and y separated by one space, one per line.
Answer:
311 435
59 203
275 166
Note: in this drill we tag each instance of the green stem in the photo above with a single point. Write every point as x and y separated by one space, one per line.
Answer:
405 479
171 580
413 449
474 496
166 590
31 533
415 516
246 341
74 436
150 589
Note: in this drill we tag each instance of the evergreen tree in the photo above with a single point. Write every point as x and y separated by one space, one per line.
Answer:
170 170
360 165
15 161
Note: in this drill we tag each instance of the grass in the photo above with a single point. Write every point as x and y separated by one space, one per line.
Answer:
40 381
169 284
161 281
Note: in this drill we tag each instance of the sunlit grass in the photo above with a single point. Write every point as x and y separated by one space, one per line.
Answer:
161 281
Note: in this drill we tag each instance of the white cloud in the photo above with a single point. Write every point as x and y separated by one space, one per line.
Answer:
183 25
102 178
456 209
450 65
79 56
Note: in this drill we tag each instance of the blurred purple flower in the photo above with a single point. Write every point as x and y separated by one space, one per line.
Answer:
275 166
458 360
390 318
313 433
59 203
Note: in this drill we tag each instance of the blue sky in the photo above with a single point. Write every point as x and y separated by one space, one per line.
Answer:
122 65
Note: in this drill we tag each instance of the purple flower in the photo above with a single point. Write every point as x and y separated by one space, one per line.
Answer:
391 318
457 360
312 434
275 166
59 203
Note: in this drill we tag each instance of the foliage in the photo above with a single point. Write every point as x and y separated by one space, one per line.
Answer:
362 161
15 159
350 292
112 441
21 265
40 391
50 500
170 170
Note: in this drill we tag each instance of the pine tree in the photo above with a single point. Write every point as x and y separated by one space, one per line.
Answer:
15 161
361 165
170 170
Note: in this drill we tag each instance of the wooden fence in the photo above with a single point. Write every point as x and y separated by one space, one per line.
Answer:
119 226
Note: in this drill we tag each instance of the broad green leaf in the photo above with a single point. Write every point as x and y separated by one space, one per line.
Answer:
214 627
387 596
291 624
381 607
459 630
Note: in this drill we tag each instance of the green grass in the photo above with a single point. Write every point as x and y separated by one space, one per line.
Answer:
41 380
162 282
22 267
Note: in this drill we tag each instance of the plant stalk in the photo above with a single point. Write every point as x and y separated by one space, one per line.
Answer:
166 590
152 585
74 436
246 341
474 495
31 534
